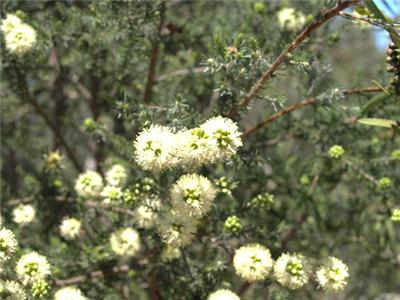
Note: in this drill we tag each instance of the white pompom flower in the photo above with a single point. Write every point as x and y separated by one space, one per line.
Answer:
193 147
117 175
111 194
146 214
9 23
333 275
290 271
24 214
170 253
32 267
156 149
253 262
177 230
8 244
20 39
291 19
223 138
223 294
89 184
69 293
12 290
193 195
125 242
70 228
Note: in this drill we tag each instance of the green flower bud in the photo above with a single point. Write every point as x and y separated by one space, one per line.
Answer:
260 7
305 180
385 182
40 289
232 224
336 151
89 125
261 201
395 154
395 215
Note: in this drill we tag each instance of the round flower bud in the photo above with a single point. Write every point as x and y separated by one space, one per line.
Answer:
232 224
290 271
253 262
125 242
336 151
193 195
223 294
333 275
32 267
395 154
395 215
116 176
69 293
89 184
40 289
12 290
385 182
70 228
8 244
261 202
24 214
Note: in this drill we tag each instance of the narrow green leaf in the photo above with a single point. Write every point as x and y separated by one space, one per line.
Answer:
375 101
378 122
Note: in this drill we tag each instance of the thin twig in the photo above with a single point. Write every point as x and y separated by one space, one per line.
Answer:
307 102
325 16
154 57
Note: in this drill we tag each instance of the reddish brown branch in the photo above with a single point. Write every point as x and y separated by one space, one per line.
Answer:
325 16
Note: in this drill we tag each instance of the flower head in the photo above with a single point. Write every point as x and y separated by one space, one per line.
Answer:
223 137
290 271
24 214
395 215
20 39
193 147
9 23
145 215
125 242
111 194
89 184
177 230
69 293
253 262
223 294
31 267
70 228
116 176
11 290
232 224
291 19
333 275
170 253
385 182
8 244
155 148
193 195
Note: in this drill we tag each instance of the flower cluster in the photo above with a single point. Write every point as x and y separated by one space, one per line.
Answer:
395 215
336 151
333 276
232 224
290 271
69 293
12 290
223 294
192 195
146 214
70 228
158 148
290 19
116 176
253 262
8 244
24 214
19 36
125 242
32 267
89 184
111 194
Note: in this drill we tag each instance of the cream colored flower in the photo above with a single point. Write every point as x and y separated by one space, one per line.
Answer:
9 23
125 242
69 293
11 290
31 267
20 39
146 215
290 271
70 228
117 175
111 194
24 214
170 253
193 195
156 149
253 262
223 294
333 275
291 19
8 244
89 184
